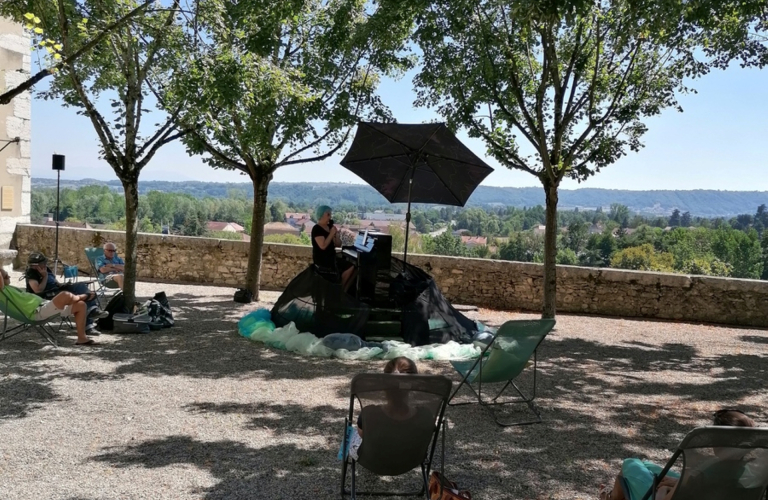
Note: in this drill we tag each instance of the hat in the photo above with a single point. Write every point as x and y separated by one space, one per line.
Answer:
37 258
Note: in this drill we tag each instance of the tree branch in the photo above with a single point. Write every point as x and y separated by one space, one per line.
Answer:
6 97
156 42
114 157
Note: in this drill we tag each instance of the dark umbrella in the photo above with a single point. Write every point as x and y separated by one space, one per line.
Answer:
421 163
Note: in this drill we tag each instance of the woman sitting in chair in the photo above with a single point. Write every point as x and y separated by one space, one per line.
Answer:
402 425
638 475
325 239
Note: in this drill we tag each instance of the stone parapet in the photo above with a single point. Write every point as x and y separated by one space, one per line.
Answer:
485 283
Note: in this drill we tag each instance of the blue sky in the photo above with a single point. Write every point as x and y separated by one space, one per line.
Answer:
718 142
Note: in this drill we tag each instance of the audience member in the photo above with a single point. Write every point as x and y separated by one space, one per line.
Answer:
638 475
110 266
42 282
36 308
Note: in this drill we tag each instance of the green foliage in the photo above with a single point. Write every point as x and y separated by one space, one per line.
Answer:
277 211
479 222
642 258
184 214
705 266
620 214
764 244
692 249
415 243
265 85
576 236
707 203
445 244
741 250
288 239
267 82
600 248
523 247
567 257
574 80
224 235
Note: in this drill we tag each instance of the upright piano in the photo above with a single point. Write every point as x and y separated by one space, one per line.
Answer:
372 254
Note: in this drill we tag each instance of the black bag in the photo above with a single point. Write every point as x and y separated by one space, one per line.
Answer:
116 305
243 296
159 311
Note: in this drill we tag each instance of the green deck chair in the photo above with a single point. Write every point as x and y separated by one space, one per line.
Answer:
10 310
502 361
103 284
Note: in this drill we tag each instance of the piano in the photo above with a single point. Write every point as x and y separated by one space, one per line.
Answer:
372 255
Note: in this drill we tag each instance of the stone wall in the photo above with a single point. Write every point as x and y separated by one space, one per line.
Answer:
170 259
487 283
15 163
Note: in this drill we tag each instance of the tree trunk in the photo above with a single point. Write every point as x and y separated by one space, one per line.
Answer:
550 250
253 275
131 187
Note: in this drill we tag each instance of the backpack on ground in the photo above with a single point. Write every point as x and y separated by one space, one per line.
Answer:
116 305
159 310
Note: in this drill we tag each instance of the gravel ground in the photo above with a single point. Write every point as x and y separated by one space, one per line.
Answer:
199 412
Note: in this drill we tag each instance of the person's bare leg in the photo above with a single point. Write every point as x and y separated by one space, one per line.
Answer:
77 306
119 279
347 277
617 493
79 310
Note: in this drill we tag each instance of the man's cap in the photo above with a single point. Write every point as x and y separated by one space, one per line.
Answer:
36 258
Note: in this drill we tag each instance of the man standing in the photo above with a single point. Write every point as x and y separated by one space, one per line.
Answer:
110 266
42 282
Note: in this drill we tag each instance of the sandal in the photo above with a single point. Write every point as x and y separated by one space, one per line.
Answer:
606 492
90 342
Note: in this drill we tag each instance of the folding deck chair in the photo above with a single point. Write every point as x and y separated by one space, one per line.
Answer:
10 309
502 360
392 447
719 463
103 283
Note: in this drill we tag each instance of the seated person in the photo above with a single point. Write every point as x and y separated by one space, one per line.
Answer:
639 475
42 282
325 239
397 414
110 266
36 308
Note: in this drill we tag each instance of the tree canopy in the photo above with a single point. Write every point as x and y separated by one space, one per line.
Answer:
562 88
266 85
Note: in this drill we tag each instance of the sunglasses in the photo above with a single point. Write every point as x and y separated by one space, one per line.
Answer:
111 250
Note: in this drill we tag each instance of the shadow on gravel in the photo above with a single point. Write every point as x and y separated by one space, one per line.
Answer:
600 403
22 390
274 471
754 338
204 343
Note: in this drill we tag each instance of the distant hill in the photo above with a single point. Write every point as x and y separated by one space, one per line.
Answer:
707 203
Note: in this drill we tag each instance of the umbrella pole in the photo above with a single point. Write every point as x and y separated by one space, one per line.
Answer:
408 216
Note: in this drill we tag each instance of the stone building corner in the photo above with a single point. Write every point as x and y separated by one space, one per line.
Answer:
15 158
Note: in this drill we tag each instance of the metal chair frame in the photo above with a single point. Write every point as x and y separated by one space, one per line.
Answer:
42 327
495 402
426 465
